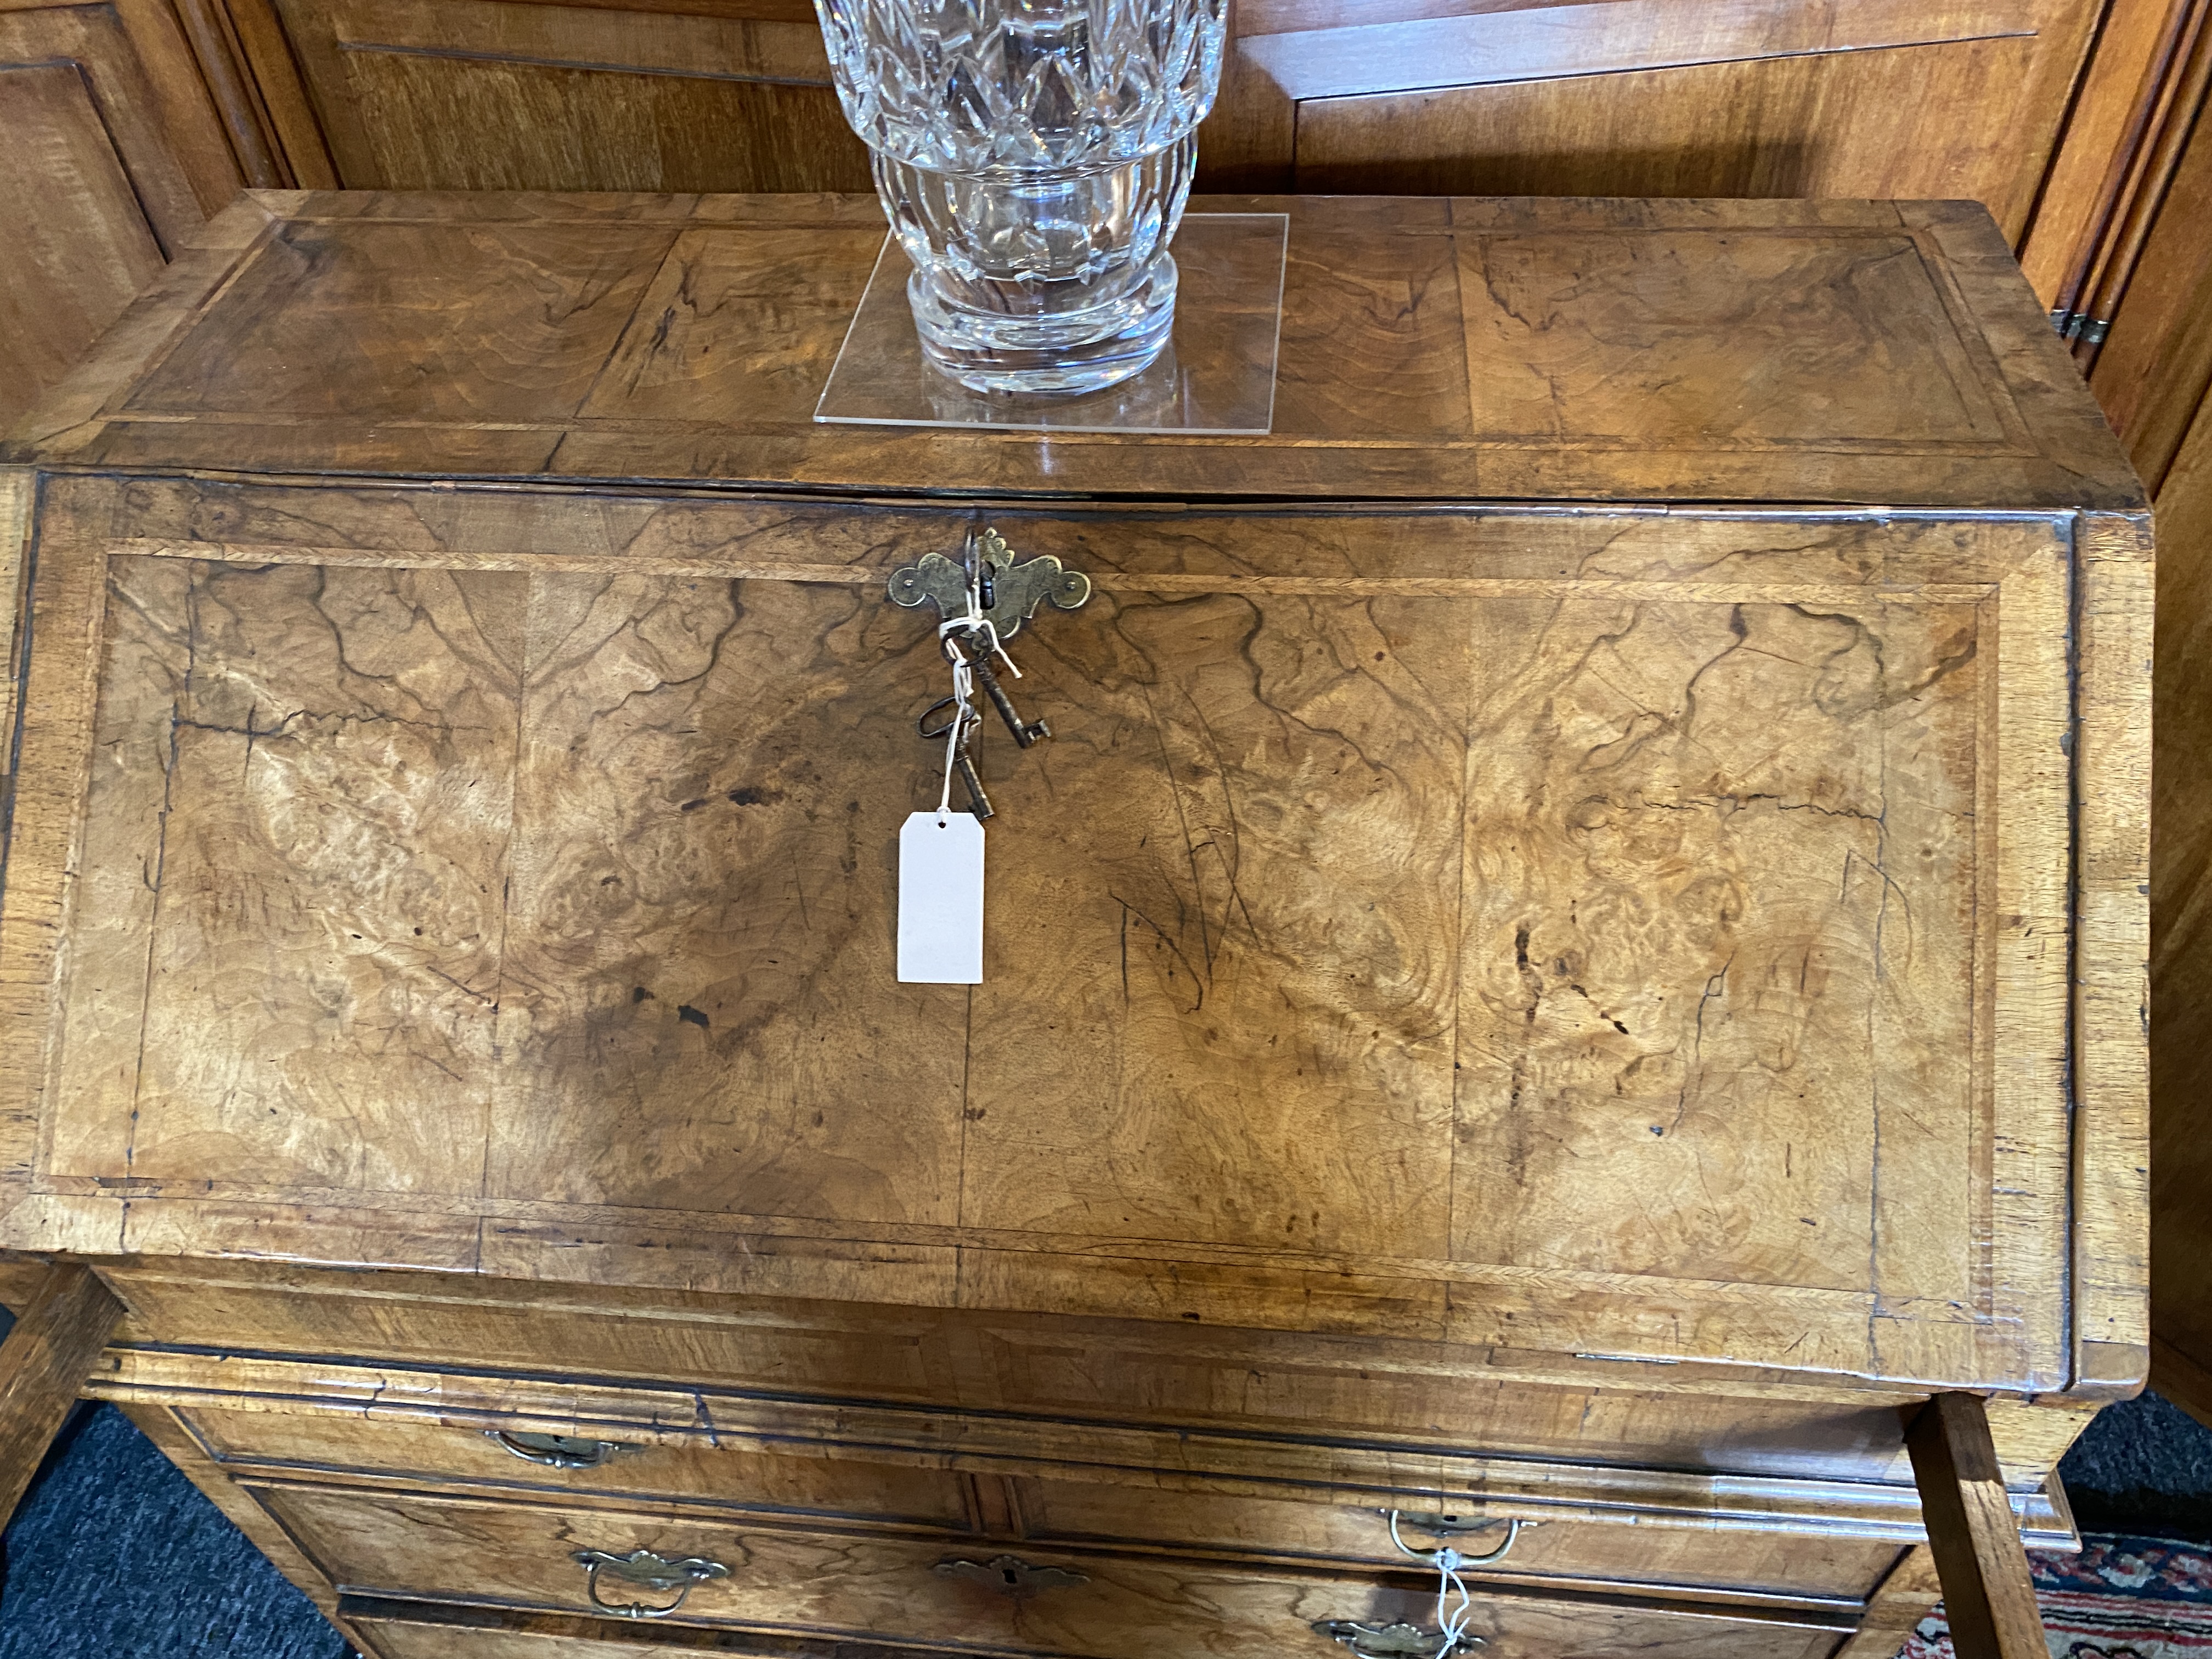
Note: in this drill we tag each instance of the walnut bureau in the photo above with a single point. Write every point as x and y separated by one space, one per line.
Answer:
1577 956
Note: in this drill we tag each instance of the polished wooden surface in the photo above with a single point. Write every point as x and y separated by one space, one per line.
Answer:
1156 1148
1578 950
48 1353
1989 1600
1439 349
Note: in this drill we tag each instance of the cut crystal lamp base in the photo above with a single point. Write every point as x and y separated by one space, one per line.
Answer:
1070 351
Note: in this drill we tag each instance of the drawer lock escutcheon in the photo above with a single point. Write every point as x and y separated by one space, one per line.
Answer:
1399 1641
647 1572
553 1451
1010 1574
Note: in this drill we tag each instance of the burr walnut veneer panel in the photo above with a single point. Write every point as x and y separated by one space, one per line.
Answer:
1658 879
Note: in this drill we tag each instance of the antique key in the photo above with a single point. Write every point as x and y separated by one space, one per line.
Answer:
978 663
978 802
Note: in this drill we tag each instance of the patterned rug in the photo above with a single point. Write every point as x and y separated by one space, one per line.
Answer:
2119 1598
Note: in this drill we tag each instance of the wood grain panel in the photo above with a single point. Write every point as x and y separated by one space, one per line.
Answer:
517 322
2102 161
847 1484
720 965
823 1583
1832 1456
312 722
1749 97
1189 906
1878 123
620 967
2181 907
111 157
2114 637
1072 1512
2169 112
515 96
510 356
79 243
2156 365
463 1455
1869 315
1787 1001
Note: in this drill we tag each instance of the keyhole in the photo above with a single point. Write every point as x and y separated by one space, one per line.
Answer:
1007 1573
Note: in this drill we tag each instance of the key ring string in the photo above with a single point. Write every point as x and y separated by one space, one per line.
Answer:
1448 1562
955 729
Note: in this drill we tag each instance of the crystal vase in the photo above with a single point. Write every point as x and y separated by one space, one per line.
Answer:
1033 157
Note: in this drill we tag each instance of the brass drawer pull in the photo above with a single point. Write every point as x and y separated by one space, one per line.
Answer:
554 1451
1452 1526
648 1572
1010 1574
1393 1641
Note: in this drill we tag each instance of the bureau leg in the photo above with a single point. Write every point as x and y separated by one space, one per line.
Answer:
1988 1596
43 1363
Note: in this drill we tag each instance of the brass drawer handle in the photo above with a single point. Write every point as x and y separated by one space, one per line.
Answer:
1452 1526
553 1451
1399 1641
1010 1574
648 1572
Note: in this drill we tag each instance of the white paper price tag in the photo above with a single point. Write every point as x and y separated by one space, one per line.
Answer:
941 899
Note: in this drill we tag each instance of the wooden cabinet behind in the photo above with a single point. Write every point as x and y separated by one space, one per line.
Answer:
486 95
1626 97
110 151
1764 98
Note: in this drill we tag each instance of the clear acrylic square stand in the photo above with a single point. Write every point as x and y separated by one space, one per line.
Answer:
1217 374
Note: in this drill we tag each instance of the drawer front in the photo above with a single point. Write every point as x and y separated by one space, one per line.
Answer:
1772 1564
1069 1512
819 1583
636 1467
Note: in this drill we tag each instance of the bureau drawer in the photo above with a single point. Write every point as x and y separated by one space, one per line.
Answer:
1069 1512
1768 1563
635 1468
828 1584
